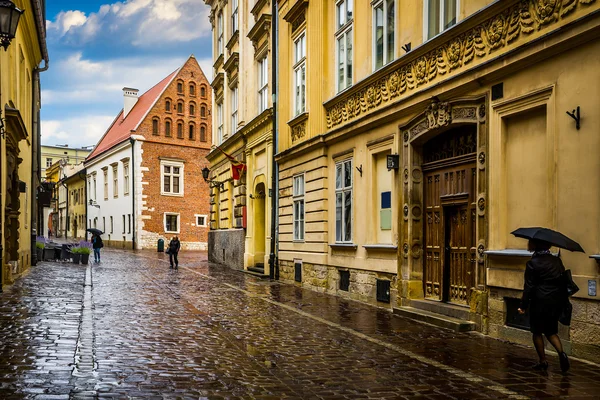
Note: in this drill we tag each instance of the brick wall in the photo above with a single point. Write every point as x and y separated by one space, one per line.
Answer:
191 151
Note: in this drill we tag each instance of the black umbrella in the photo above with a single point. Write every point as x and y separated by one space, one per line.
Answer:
548 235
94 231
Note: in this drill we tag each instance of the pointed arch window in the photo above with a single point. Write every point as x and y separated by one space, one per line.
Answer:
180 107
180 130
203 91
192 109
203 111
192 132
180 87
168 128
168 105
192 89
155 122
203 133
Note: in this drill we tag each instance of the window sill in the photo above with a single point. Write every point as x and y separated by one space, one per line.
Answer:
511 253
348 246
172 194
381 247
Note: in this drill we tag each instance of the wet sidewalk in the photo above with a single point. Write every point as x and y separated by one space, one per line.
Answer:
132 328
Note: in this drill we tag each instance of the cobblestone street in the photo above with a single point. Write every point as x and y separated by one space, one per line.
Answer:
132 328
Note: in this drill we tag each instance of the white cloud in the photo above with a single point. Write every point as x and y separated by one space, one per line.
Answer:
77 132
141 23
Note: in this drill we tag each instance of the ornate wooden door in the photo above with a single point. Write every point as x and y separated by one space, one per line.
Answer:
434 237
458 253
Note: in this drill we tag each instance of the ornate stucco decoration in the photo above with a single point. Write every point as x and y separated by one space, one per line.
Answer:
438 115
217 85
231 68
420 68
259 34
257 8
296 15
298 127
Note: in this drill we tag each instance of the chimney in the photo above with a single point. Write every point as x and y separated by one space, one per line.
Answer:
130 99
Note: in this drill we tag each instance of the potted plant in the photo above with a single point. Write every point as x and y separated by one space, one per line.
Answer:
85 254
76 255
39 247
48 252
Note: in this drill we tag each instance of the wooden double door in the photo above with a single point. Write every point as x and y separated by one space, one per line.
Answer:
450 251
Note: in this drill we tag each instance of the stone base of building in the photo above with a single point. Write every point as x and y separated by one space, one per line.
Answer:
227 247
149 240
327 279
581 339
119 244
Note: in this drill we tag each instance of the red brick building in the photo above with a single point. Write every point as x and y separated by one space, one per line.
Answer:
144 176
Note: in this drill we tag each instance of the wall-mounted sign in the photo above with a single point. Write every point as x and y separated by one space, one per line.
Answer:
591 287
393 161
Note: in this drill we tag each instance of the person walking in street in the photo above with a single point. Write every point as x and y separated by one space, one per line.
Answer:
97 244
174 246
545 295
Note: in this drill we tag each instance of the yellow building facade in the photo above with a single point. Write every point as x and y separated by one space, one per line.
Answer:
415 136
240 162
19 143
76 215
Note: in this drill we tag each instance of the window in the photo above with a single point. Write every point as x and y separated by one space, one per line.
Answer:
203 111
123 223
155 126
125 178
115 181
129 223
112 225
203 133
95 187
201 220
384 18
171 223
180 87
192 109
180 130
220 34
343 201
172 178
192 89
202 91
234 110
48 162
219 123
89 185
234 16
105 171
300 74
299 207
192 132
103 224
168 106
439 16
343 38
263 84
180 107
168 128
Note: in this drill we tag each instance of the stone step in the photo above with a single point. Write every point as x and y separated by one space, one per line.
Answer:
259 272
257 269
443 321
438 307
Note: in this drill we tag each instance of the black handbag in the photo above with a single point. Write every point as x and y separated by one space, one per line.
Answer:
566 313
572 288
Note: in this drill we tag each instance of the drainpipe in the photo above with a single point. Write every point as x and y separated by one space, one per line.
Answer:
273 263
132 173
36 159
83 175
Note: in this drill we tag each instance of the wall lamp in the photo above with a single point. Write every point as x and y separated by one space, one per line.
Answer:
211 182
9 19
93 204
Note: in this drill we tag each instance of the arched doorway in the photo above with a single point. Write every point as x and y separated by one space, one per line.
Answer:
259 224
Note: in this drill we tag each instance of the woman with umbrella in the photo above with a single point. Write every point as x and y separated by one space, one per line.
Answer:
97 243
545 291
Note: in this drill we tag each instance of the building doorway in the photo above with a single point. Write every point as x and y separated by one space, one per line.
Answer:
450 173
259 224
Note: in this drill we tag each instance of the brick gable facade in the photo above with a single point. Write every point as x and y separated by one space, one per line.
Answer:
177 133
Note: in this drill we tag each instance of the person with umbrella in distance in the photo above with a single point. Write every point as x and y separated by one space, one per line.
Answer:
97 243
545 290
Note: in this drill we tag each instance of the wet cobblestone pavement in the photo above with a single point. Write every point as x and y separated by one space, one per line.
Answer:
132 328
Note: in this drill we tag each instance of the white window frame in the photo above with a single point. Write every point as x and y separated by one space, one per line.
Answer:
300 74
48 162
126 178
105 172
234 110
196 216
441 20
263 84
343 30
220 33
95 188
165 222
234 16
171 174
384 5
342 235
219 123
115 171
299 190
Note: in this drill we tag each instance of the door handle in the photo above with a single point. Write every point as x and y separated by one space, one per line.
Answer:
447 248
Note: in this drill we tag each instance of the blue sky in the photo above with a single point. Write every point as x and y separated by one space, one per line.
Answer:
97 47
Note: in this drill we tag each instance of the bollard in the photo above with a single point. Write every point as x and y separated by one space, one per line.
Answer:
161 245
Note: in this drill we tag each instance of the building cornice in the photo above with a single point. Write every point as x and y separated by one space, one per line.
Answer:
496 29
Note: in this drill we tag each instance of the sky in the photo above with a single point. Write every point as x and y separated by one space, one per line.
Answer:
98 47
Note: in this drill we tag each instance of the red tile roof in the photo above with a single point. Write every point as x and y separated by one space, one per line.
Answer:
120 129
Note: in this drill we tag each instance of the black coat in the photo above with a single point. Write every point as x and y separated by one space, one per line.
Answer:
174 246
544 283
97 242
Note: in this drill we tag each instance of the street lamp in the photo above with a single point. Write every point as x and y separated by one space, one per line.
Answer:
9 19
211 182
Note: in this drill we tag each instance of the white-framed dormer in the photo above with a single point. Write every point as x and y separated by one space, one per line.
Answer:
439 15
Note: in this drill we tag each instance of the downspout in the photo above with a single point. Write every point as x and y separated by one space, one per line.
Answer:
132 171
273 263
85 187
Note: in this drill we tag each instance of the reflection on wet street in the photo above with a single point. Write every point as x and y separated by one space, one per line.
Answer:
132 328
